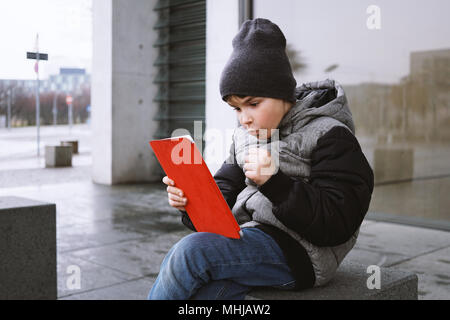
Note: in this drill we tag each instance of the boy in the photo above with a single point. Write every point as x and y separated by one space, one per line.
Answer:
296 180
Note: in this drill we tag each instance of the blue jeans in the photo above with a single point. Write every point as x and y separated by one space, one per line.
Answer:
205 265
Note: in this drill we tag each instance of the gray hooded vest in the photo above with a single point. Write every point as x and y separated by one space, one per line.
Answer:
298 133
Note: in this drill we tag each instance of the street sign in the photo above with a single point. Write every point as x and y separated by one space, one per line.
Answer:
35 55
69 100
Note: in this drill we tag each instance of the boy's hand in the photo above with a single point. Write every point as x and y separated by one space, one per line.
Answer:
259 166
175 195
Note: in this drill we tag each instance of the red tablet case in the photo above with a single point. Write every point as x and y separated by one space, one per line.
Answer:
206 206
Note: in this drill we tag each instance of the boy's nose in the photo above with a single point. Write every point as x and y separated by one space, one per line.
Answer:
246 119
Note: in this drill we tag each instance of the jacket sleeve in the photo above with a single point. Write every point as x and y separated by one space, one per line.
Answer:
230 179
329 208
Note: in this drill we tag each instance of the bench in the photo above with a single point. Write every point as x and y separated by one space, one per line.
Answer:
27 249
58 156
350 283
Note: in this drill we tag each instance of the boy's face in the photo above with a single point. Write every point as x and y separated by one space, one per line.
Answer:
258 113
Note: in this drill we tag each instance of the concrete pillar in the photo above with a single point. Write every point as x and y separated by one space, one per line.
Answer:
122 90
222 24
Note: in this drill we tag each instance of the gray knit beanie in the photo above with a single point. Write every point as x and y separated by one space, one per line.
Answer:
258 65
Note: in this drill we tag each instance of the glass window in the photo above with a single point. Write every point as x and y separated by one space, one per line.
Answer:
393 60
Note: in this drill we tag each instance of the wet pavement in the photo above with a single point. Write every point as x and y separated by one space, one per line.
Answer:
118 235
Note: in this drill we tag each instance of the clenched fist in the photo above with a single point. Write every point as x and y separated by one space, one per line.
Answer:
259 165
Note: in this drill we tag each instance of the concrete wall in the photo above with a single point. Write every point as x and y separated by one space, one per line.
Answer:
122 90
221 27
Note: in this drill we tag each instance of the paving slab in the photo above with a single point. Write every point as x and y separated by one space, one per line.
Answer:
141 257
433 270
91 276
90 235
400 239
137 289
369 257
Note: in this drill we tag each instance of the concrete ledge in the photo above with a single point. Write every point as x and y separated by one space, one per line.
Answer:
350 283
58 156
27 249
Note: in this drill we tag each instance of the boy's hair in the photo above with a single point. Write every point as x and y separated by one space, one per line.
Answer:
230 96
242 96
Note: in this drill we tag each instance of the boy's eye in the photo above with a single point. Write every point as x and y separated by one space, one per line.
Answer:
253 104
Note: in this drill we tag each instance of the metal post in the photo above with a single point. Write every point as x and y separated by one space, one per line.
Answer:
9 108
69 110
36 56
37 104
70 116
54 110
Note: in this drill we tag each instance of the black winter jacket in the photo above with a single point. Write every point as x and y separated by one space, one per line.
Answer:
326 210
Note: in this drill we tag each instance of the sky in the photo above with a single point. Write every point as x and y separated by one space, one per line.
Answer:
65 33
326 32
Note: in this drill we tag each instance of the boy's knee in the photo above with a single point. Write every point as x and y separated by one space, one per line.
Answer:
194 247
189 255
195 242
